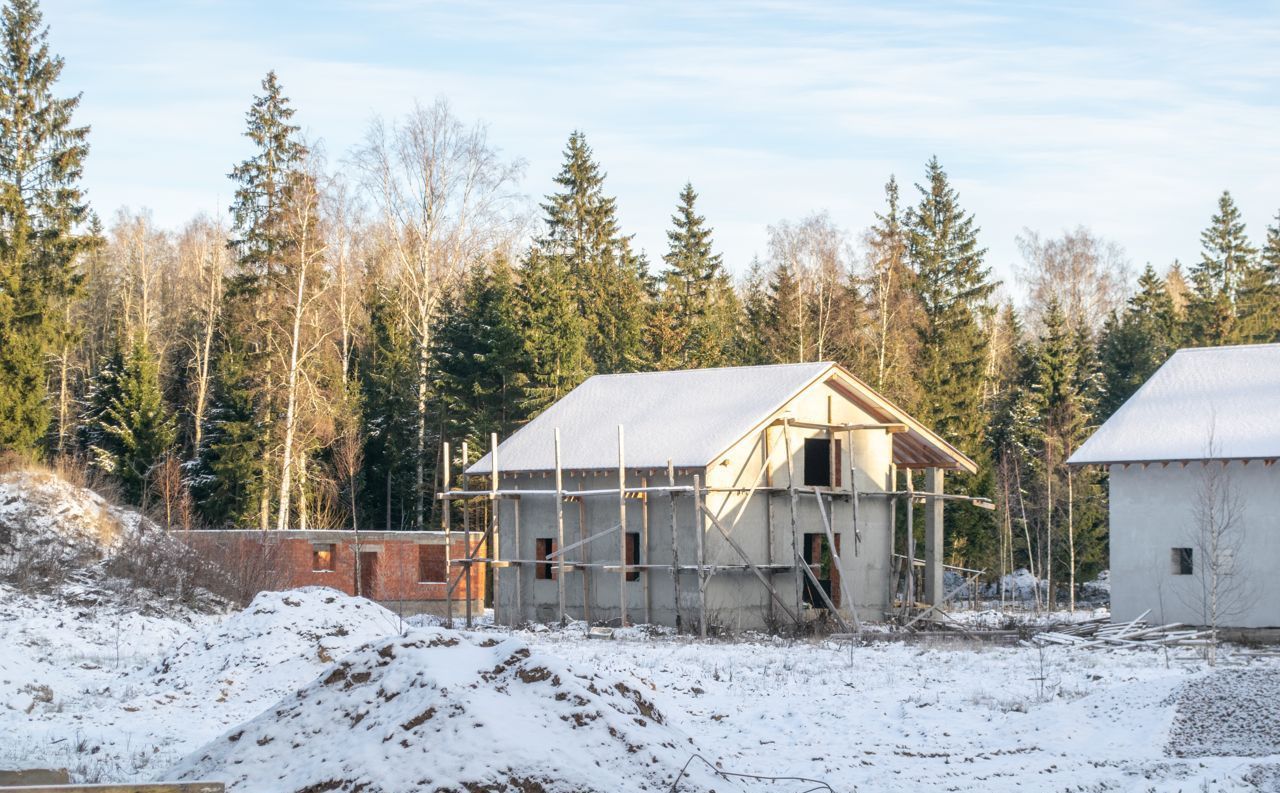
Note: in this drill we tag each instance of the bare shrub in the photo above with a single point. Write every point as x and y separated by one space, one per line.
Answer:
175 567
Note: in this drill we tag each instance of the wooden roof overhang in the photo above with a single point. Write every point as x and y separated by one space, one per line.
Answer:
915 446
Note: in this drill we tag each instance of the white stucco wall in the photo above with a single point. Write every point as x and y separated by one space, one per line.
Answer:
1153 510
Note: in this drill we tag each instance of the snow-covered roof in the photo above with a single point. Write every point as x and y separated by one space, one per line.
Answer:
688 417
1204 403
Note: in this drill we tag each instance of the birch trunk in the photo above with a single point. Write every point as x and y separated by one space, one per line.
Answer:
291 393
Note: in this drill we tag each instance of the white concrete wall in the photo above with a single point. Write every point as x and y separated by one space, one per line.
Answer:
1153 511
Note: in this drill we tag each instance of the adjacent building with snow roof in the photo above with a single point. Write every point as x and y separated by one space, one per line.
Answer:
1195 492
747 497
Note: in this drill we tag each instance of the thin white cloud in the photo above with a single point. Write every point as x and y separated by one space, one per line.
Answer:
1129 120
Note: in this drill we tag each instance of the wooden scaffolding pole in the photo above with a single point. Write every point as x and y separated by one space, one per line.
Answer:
702 562
909 601
822 594
675 546
515 535
891 583
795 531
768 511
466 533
559 527
853 495
584 557
644 550
622 535
845 594
447 522
493 544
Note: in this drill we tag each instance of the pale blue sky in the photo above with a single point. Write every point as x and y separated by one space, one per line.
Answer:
1127 118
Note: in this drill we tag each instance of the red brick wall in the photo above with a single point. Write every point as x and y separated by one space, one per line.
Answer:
283 560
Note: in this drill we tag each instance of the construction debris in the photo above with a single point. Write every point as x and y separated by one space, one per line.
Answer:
1136 633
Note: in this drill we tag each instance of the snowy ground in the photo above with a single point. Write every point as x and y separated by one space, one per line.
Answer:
113 695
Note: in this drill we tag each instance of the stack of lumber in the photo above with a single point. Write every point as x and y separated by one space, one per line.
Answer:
1137 633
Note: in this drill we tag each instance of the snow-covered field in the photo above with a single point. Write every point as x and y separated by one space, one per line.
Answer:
116 696
313 690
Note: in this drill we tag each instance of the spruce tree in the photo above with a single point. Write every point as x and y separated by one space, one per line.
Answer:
248 376
953 289
752 345
226 477
1271 250
784 323
480 359
42 209
555 332
606 279
1064 384
1135 343
1259 301
388 378
1225 261
131 427
887 359
697 294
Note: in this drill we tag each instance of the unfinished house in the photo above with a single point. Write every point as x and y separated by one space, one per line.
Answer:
742 498
1195 491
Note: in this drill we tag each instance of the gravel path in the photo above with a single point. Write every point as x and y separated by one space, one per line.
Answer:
1232 712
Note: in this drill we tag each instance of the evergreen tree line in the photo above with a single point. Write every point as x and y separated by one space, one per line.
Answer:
300 363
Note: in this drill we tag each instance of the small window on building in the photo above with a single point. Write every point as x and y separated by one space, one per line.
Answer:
543 548
322 557
1182 561
633 554
431 565
817 462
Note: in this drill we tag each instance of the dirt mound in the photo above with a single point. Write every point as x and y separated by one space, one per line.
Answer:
438 710
1232 712
281 641
49 526
66 541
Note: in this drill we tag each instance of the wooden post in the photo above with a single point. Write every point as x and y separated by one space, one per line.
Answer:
515 532
466 533
493 545
795 531
853 494
768 514
702 562
644 549
911 545
447 521
622 534
675 545
584 556
559 527
891 586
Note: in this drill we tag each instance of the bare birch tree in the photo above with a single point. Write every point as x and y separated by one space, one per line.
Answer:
1217 537
1087 275
203 257
444 195
303 338
815 250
